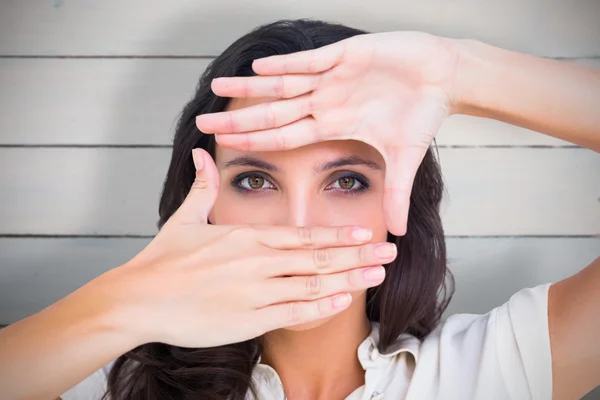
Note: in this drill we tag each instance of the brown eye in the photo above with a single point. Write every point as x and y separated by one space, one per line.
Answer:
346 182
255 181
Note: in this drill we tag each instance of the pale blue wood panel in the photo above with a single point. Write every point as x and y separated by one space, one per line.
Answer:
153 27
36 272
83 101
519 191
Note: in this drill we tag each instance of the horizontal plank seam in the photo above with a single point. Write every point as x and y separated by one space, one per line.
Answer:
100 57
85 146
192 57
168 146
127 236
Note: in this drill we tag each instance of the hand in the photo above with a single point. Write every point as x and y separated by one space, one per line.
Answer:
199 285
389 90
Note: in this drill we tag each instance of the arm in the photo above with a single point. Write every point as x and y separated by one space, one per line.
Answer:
574 324
47 353
560 100
167 293
556 98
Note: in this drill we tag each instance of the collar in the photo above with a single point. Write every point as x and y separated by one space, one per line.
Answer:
373 362
368 352
369 355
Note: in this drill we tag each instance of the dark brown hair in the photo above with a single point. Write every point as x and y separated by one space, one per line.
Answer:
417 288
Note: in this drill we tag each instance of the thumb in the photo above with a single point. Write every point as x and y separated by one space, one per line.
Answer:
400 171
203 193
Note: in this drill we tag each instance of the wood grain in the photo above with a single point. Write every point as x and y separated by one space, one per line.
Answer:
37 272
137 102
554 28
107 191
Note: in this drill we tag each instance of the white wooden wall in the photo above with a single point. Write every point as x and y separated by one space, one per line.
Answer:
90 91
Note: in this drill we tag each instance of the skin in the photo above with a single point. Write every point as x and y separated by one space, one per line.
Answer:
66 342
393 90
299 193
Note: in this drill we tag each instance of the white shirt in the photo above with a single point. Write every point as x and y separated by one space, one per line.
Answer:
504 354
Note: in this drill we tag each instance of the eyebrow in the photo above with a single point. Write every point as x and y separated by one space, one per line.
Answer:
346 161
247 161
251 162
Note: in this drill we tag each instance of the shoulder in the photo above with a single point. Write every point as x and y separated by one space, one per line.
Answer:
502 354
91 388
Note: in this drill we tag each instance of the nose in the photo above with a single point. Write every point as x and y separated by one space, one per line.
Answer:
302 208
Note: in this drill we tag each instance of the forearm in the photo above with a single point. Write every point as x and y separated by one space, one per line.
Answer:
557 98
45 354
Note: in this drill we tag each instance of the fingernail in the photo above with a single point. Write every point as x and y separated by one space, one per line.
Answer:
362 235
375 274
385 250
198 159
341 300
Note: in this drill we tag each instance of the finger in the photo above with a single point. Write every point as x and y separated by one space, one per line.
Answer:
300 312
303 62
401 168
330 260
255 118
403 161
283 86
302 288
203 193
290 238
296 134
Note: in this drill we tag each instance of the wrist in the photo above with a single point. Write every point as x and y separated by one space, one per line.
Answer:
477 78
105 302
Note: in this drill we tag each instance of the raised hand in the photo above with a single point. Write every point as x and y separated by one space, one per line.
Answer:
390 90
199 285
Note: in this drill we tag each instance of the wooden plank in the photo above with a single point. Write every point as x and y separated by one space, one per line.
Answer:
37 272
519 191
489 270
137 102
113 27
82 101
81 191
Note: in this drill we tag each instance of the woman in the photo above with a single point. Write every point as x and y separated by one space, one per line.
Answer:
224 311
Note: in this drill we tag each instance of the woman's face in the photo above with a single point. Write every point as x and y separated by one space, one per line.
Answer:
327 184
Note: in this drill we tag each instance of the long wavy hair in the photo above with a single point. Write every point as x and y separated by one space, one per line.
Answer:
412 299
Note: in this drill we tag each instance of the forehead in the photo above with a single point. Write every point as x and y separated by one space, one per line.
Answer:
316 152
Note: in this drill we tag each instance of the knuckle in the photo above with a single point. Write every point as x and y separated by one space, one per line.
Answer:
246 87
350 279
294 311
363 255
280 140
269 116
313 285
305 236
341 235
231 124
307 106
322 258
199 184
323 308
280 87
